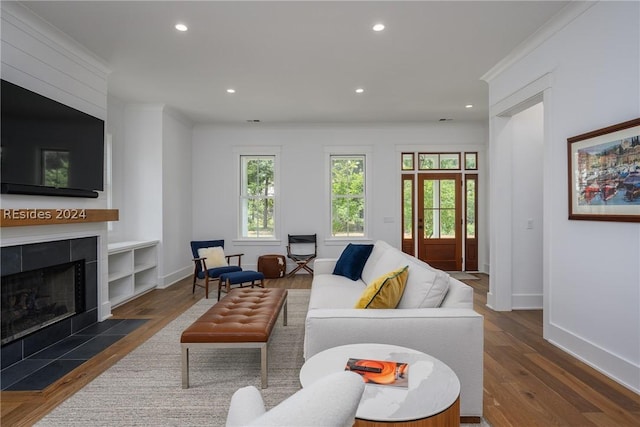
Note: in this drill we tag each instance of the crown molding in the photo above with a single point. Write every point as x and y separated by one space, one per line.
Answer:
560 20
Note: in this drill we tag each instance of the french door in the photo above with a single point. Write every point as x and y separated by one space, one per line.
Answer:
439 228
440 215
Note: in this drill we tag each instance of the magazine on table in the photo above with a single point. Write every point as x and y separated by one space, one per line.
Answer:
381 372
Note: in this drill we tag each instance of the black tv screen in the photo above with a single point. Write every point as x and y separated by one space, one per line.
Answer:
48 148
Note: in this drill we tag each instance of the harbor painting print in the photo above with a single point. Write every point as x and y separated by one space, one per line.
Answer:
604 174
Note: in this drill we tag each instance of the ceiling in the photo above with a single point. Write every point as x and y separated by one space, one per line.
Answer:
301 61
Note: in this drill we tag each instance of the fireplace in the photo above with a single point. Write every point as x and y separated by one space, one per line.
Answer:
32 300
49 292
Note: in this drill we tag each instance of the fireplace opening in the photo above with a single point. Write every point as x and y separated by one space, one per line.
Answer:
32 300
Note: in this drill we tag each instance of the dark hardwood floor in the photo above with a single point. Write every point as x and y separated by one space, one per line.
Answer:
527 381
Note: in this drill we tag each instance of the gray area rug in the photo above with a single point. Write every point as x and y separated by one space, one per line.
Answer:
144 388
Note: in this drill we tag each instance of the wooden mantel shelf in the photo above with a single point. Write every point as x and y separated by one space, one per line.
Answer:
35 216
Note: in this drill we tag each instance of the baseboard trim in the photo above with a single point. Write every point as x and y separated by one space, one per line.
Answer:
175 277
615 367
470 420
526 302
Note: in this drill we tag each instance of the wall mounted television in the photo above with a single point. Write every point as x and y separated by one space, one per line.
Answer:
48 148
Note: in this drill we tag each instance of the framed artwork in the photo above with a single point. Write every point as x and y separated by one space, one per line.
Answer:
604 174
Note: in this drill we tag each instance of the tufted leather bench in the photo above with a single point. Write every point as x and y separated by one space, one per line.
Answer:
244 318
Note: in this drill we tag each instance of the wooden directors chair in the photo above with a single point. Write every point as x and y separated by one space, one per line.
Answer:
299 250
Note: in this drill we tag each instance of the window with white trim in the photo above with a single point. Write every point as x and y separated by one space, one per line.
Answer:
348 191
258 196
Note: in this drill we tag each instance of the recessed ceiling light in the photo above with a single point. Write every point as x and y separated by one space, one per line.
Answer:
378 27
359 90
231 91
181 27
468 106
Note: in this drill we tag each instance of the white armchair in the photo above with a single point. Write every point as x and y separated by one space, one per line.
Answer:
329 402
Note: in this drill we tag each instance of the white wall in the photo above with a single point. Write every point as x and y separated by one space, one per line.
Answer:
40 58
115 128
142 172
592 268
177 205
152 182
303 198
527 200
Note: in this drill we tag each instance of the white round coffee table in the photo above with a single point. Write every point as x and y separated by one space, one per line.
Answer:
431 398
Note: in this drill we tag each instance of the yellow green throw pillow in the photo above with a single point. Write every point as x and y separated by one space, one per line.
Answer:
385 291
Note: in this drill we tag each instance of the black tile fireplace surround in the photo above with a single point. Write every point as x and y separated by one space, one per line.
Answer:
16 259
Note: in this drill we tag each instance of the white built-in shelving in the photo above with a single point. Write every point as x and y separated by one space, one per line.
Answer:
132 270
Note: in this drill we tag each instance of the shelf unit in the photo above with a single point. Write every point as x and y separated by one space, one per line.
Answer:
132 269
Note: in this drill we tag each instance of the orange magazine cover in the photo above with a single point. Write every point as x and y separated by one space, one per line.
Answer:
381 372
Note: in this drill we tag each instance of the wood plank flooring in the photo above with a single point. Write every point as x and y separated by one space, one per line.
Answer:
527 381
530 382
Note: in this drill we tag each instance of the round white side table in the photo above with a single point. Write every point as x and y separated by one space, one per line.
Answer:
431 399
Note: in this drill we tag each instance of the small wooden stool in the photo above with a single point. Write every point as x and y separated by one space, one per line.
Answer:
240 277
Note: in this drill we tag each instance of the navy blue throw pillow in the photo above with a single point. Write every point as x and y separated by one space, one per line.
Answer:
352 261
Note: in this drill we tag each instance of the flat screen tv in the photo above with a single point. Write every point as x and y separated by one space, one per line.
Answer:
48 148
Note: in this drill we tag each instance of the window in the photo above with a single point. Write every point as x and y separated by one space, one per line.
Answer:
258 196
408 161
471 161
348 204
437 161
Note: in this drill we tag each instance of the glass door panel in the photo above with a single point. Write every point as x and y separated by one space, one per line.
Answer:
471 223
440 211
408 212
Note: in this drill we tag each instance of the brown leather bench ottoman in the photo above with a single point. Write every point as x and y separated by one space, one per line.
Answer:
244 318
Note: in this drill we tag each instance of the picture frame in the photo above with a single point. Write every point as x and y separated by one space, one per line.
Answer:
604 174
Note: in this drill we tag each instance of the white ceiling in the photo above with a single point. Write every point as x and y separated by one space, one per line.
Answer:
300 62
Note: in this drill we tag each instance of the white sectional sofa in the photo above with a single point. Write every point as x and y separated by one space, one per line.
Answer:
450 331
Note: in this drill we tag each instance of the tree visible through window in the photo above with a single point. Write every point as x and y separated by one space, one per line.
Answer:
347 195
257 198
55 168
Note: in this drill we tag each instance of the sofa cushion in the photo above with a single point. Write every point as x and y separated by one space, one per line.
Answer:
385 291
352 260
425 288
330 291
383 258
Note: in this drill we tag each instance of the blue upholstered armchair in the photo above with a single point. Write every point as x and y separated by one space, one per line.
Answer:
218 263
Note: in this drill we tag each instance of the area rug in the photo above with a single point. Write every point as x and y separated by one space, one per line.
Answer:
144 388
